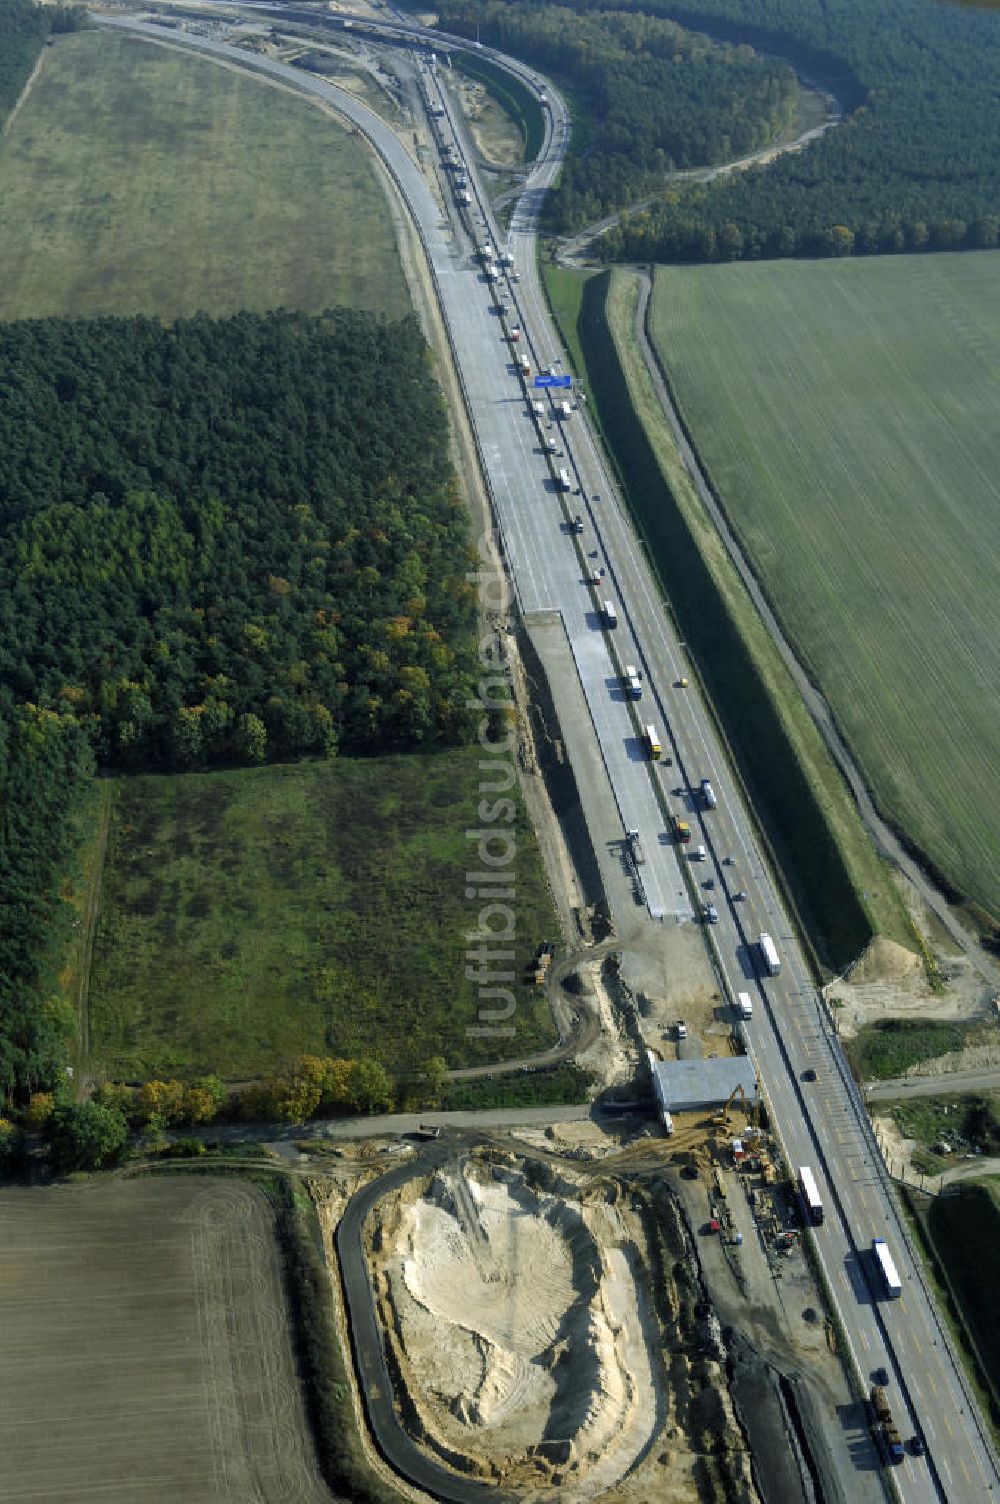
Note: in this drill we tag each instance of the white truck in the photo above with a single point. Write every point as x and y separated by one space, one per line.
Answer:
563 411
708 794
631 682
769 955
744 1005
888 1273
564 483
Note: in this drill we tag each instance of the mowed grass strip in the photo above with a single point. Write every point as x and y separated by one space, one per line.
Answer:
249 916
847 414
139 180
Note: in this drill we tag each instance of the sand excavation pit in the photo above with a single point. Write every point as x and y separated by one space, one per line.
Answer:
520 1325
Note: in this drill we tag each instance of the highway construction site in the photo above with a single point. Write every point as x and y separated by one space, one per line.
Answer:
601 1312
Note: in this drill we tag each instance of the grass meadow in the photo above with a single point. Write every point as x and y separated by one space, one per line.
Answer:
847 413
248 916
137 180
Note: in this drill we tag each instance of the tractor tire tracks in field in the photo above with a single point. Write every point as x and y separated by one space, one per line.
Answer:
886 841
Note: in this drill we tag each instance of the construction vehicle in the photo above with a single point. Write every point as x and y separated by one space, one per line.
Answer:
681 831
885 1427
722 1116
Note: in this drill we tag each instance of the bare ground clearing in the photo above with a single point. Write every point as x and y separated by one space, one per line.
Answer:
522 1327
146 1352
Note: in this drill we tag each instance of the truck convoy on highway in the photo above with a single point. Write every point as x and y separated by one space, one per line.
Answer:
884 1426
887 1271
769 955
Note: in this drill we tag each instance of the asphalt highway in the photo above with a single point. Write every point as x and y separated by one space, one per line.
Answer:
822 1124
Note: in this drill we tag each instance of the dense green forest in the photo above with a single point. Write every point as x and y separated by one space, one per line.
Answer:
23 30
231 539
650 97
45 763
915 167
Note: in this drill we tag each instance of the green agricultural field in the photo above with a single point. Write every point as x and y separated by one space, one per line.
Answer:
138 180
847 412
249 916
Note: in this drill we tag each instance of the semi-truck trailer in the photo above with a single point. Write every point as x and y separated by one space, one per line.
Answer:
769 955
887 1271
651 741
885 1427
609 615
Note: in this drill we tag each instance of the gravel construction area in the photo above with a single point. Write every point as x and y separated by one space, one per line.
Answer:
521 1325
146 1352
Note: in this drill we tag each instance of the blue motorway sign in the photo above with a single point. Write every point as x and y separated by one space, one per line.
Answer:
553 381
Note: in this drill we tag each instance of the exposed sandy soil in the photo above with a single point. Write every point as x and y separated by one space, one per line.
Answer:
146 1352
497 139
890 982
522 1325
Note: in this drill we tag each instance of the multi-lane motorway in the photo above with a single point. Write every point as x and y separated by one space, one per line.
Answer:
821 1123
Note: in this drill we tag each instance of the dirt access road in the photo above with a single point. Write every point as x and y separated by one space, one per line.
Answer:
570 250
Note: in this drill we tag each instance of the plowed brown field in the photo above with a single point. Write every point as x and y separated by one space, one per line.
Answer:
146 1351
